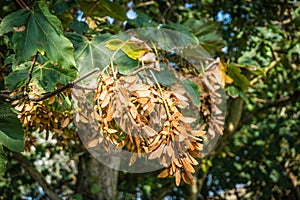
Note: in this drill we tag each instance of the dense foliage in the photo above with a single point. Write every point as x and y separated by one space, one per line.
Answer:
44 45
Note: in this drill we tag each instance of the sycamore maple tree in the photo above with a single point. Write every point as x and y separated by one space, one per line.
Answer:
53 52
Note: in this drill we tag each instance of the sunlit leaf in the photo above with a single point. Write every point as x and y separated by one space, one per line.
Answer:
134 50
114 44
90 54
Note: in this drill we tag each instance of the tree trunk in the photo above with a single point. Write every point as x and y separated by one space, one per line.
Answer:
95 180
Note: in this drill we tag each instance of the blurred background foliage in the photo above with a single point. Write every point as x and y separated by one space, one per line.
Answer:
259 155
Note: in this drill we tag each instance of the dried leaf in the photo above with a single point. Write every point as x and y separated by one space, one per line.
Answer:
92 143
65 122
143 100
177 177
129 79
97 116
136 87
148 58
103 95
188 120
163 174
132 159
83 119
149 131
142 93
186 178
192 159
133 111
177 163
51 100
181 97
198 133
187 165
157 153
105 101
110 130
110 112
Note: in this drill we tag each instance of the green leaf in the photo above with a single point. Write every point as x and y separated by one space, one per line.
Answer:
17 78
47 75
79 27
182 29
235 91
207 34
250 64
90 54
239 79
192 90
43 32
3 161
11 130
15 19
103 8
167 39
165 76
125 64
61 6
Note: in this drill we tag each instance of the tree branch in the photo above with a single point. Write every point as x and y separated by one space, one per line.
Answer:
67 86
30 72
50 94
38 177
266 71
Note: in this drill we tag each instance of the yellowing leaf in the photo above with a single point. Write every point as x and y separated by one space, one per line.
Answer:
224 77
135 49
114 44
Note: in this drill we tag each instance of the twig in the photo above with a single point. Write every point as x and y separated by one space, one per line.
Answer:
22 4
148 3
37 176
30 72
272 65
94 7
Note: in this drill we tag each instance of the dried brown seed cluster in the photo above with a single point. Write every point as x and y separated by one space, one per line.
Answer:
39 116
147 120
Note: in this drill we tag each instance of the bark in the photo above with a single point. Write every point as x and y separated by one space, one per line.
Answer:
94 174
